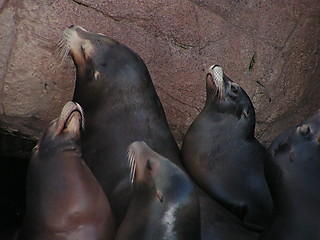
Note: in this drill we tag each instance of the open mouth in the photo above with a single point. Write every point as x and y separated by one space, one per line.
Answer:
71 117
74 121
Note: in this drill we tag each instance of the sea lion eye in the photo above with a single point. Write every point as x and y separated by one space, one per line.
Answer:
234 89
149 166
34 149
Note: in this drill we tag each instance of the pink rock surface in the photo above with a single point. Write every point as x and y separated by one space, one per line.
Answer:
270 48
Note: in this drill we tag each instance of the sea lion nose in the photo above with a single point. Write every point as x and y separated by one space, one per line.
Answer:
213 66
217 73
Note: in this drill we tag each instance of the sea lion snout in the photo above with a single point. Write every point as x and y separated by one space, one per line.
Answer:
71 118
141 162
77 28
75 42
215 79
217 72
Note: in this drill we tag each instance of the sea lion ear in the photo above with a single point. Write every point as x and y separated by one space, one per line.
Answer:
282 147
245 113
35 149
304 130
160 196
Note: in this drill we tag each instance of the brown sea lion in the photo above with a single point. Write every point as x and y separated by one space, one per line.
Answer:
222 155
115 89
64 200
293 173
164 202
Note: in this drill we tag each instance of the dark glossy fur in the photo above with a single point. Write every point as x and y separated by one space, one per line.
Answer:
64 200
164 203
224 158
293 173
121 106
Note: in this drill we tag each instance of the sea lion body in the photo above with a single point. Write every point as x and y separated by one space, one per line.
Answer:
293 173
222 155
121 105
219 223
164 202
64 200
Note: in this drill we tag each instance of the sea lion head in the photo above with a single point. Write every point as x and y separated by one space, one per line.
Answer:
63 133
294 163
300 143
163 195
227 97
150 170
99 57
86 49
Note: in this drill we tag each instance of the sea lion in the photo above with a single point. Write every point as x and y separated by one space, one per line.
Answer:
64 200
218 223
164 202
293 173
115 89
222 155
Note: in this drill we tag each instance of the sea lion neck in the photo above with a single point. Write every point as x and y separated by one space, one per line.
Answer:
213 117
48 151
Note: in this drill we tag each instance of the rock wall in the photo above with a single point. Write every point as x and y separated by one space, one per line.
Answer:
271 48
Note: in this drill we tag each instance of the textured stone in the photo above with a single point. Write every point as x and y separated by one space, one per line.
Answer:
2 3
270 21
6 41
292 82
270 48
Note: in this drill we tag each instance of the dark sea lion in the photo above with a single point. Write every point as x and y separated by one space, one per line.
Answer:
217 223
222 155
164 202
64 200
115 89
293 173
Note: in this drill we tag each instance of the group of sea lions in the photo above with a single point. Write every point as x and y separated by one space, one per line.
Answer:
109 168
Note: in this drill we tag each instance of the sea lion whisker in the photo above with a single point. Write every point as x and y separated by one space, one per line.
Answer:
216 93
133 171
64 54
63 47
132 164
58 49
61 44
65 50
131 168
